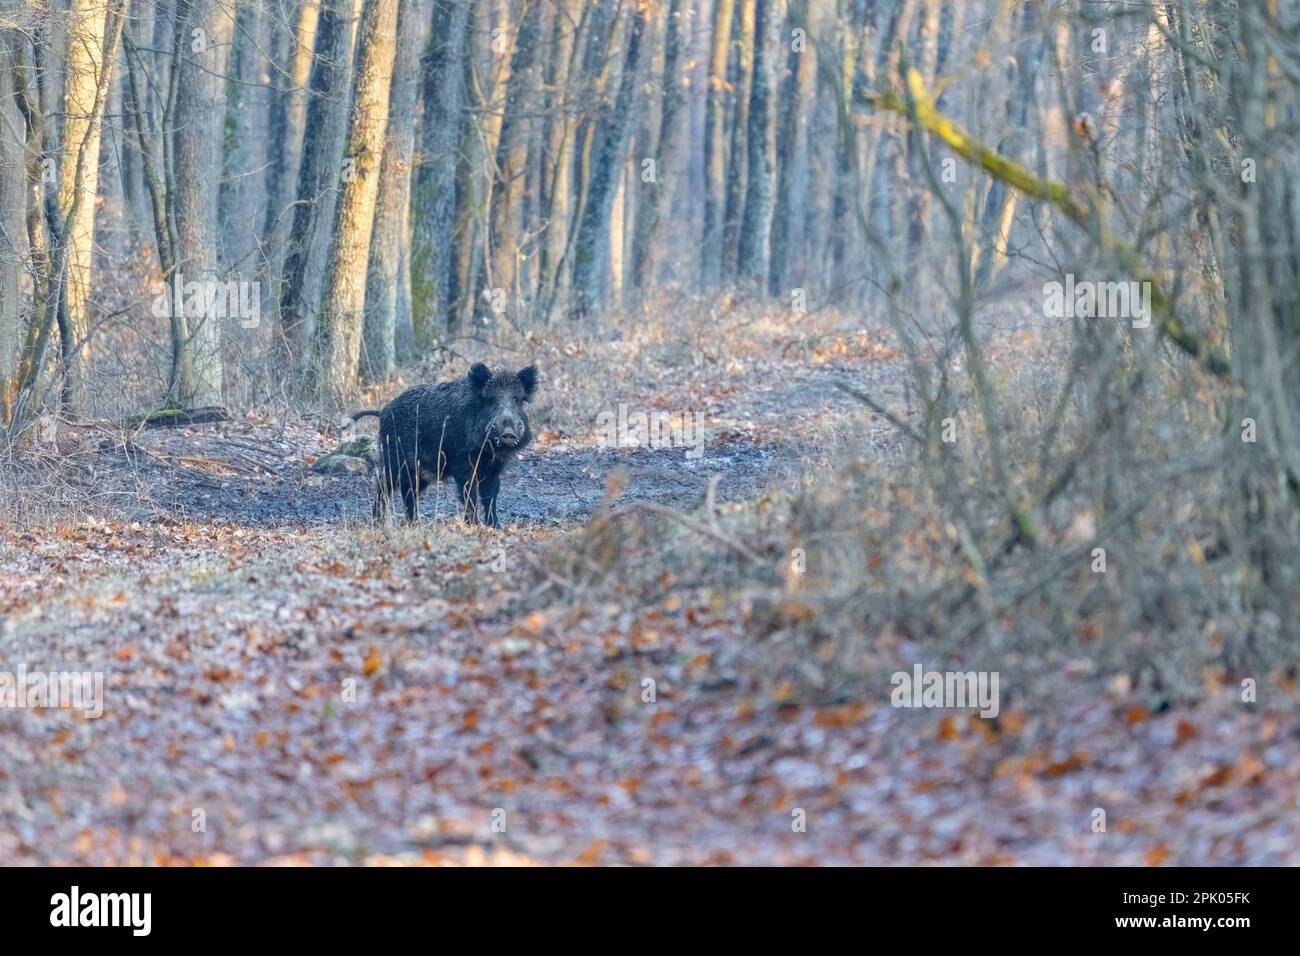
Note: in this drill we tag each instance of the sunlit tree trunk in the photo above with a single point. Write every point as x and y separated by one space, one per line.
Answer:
557 158
342 309
13 246
319 175
87 68
387 295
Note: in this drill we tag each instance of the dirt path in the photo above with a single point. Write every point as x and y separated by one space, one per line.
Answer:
257 476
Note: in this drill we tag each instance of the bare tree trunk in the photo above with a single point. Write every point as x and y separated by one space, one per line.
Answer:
246 144
649 233
789 232
162 201
390 245
88 68
591 248
342 313
289 117
507 183
715 145
51 251
46 285
318 176
196 137
433 260
134 192
738 169
558 153
755 249
13 244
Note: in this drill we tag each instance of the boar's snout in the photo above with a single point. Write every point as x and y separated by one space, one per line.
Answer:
507 428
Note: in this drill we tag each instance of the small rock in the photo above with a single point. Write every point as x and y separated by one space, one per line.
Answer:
353 457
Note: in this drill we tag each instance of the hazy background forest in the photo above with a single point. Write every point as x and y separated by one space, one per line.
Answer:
991 311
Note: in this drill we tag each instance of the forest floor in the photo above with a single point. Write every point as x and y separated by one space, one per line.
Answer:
285 683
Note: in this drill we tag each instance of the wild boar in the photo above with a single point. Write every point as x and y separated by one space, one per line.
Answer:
468 430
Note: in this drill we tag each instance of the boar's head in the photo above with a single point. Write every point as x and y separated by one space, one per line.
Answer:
498 399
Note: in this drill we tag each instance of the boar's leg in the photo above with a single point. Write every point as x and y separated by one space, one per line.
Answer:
469 495
488 491
407 483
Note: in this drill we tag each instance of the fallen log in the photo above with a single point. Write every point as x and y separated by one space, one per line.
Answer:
171 417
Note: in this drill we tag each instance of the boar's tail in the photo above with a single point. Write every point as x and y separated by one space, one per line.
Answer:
357 416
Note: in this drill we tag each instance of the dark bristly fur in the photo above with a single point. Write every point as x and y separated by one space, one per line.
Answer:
468 430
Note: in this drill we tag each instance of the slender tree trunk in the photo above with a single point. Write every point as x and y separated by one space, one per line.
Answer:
21 395
319 175
507 214
755 249
390 244
13 200
433 209
197 138
558 154
246 144
738 168
289 116
134 196
342 313
590 264
668 167
789 227
57 222
87 69
464 254
715 145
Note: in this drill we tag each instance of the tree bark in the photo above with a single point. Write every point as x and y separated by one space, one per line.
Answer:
390 244
433 209
715 144
88 68
789 227
507 183
289 116
591 248
649 232
246 148
342 312
197 137
318 177
13 247
754 255
557 159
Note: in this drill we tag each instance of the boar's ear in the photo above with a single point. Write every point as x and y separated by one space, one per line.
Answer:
528 378
479 374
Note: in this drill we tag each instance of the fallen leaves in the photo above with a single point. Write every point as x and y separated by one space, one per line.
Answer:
229 646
